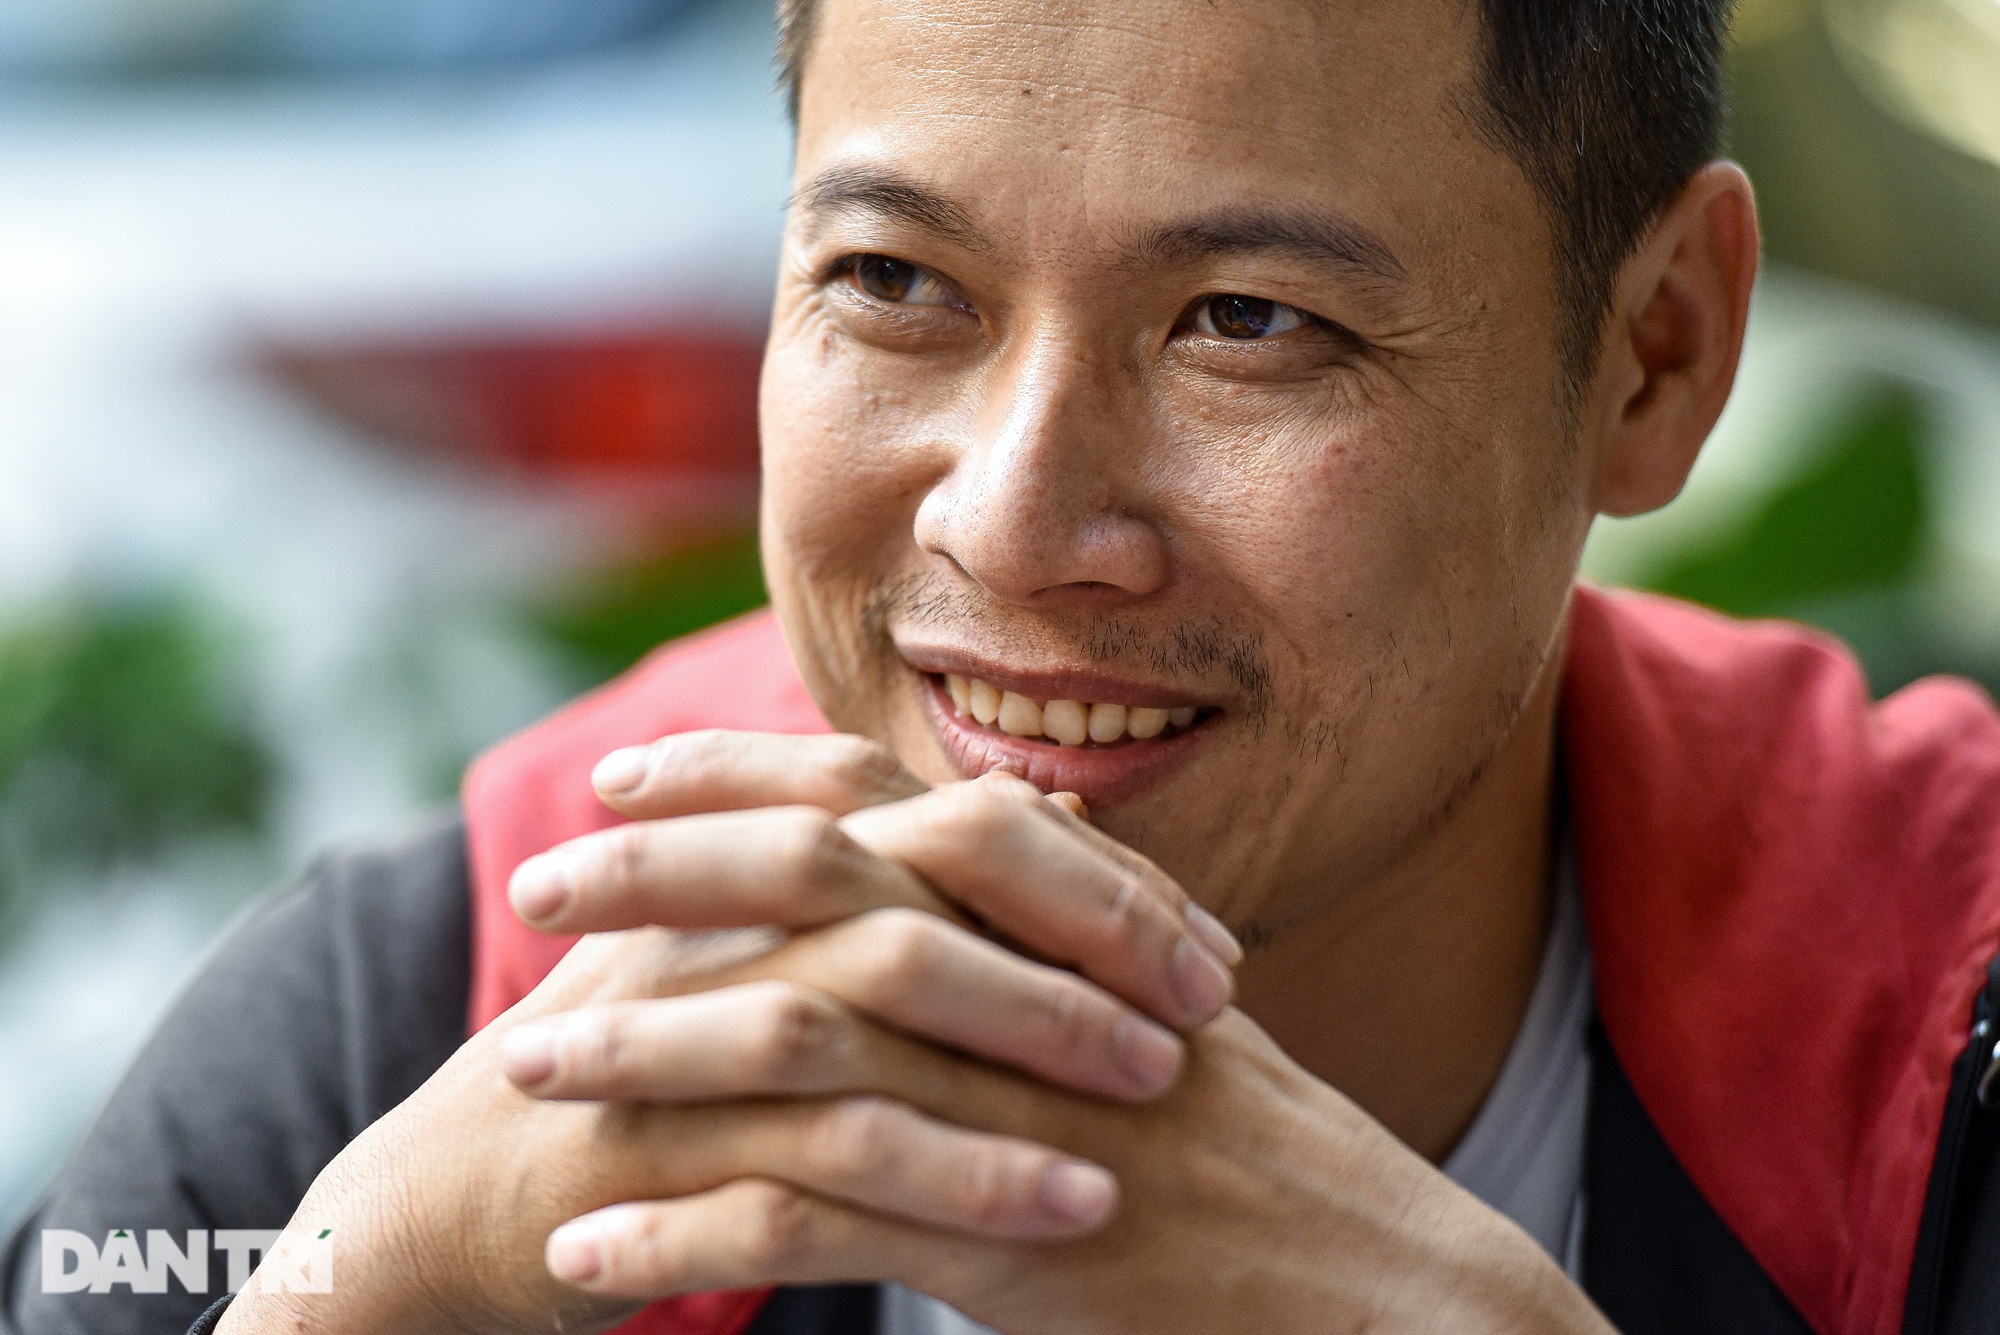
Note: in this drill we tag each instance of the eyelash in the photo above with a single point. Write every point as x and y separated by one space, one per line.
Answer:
849 267
1350 344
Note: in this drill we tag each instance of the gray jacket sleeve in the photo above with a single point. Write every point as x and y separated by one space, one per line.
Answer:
326 1007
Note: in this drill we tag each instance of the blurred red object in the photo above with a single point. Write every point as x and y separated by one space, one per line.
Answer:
655 409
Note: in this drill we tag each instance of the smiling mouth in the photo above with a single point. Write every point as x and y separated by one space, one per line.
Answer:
1065 722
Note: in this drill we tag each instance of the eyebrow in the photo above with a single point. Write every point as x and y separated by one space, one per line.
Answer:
1308 235
886 194
1316 238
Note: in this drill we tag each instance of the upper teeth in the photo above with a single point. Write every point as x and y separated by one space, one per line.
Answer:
1069 722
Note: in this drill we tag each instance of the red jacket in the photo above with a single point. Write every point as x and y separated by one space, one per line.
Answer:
1792 897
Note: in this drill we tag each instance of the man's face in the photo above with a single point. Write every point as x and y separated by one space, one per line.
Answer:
1194 355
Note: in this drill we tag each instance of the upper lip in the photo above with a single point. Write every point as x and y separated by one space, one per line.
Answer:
1085 685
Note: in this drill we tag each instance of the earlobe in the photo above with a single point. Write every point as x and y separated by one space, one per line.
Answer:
1674 340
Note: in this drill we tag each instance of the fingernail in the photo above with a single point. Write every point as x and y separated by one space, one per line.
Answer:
1011 784
1208 930
540 887
1148 1053
1078 1193
528 1054
622 771
576 1252
1071 803
1201 983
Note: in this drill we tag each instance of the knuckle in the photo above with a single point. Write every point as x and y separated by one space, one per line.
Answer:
794 1036
645 1252
692 759
983 812
903 946
598 1050
982 1188
810 847
702 746
860 763
853 1140
621 858
779 1225
1128 909
1068 1020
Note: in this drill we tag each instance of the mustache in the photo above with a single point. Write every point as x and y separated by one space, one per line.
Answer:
1187 649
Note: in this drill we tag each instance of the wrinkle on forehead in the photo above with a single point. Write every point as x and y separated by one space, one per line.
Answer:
1293 85
1157 57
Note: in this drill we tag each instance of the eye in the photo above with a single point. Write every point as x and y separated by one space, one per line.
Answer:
900 283
1245 319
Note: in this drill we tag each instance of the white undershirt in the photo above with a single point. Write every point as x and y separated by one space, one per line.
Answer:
1524 1153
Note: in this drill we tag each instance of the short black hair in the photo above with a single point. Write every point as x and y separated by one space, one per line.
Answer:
1609 106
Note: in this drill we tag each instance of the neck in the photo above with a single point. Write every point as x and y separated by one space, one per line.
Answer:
1407 994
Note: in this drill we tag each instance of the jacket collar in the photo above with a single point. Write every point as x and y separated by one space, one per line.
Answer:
1792 895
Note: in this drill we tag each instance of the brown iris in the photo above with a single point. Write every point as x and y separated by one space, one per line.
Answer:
1242 317
885 279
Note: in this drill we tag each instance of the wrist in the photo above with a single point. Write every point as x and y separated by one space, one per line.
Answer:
1495 1278
361 1252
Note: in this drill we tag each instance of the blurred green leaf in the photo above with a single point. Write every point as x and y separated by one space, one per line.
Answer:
119 735
611 623
1855 521
1843 546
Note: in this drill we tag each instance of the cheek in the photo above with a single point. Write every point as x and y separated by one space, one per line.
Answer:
842 474
1308 505
846 464
1379 544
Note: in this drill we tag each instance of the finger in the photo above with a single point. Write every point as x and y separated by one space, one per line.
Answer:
1210 930
747 1040
716 770
790 867
767 1229
745 1235
807 1030
1073 815
943 984
1045 880
885 1156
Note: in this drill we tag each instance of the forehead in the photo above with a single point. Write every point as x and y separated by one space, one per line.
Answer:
1061 119
1213 65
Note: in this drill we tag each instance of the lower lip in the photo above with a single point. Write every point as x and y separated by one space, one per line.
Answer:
1100 775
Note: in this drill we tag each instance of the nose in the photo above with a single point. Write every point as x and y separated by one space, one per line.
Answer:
1045 501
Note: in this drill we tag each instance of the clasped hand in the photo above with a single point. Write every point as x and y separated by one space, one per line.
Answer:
833 1025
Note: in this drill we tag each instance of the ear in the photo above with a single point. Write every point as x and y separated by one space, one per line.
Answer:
1673 341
